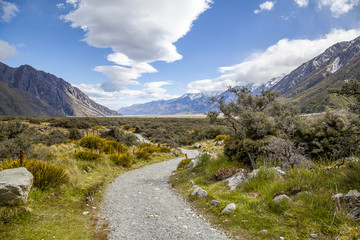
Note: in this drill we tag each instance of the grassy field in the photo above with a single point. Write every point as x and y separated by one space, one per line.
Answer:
311 210
70 210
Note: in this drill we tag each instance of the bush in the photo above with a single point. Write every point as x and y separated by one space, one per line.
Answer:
114 147
184 163
114 133
142 154
75 134
91 142
122 160
246 151
54 137
46 175
87 156
222 138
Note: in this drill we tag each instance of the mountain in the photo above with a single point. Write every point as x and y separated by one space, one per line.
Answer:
190 103
307 86
27 91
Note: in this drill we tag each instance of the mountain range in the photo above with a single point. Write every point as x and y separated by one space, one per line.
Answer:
27 91
305 87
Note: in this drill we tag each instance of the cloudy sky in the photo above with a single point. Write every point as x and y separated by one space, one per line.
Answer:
122 52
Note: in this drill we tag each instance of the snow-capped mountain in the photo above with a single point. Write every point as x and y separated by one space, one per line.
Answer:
189 103
301 85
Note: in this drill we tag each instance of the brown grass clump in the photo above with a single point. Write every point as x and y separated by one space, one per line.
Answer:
46 175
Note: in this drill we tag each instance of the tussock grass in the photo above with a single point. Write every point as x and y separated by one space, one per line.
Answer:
310 211
57 209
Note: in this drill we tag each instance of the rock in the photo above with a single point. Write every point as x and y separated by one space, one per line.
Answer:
215 203
193 163
15 185
235 180
352 194
199 192
280 198
352 200
355 213
229 208
313 235
337 196
175 154
198 146
303 193
218 143
263 231
85 213
277 170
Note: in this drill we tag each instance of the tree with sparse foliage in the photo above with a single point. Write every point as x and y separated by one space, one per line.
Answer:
350 89
252 119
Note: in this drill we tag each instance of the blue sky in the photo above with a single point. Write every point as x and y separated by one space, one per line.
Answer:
122 52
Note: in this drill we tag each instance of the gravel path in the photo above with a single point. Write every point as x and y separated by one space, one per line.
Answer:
140 204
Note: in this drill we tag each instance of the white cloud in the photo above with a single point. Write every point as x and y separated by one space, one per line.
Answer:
7 11
7 51
339 7
265 6
302 3
138 31
282 57
125 97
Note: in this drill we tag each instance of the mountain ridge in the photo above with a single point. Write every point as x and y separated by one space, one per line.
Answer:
59 95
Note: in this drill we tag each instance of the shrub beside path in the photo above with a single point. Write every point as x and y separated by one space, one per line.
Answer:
140 204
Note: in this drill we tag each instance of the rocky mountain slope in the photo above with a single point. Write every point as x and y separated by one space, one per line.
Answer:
306 87
34 92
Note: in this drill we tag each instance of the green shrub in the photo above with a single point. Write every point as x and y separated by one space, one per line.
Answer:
142 154
184 163
10 214
54 137
114 133
122 160
91 142
222 138
75 134
164 149
87 156
46 175
111 146
246 151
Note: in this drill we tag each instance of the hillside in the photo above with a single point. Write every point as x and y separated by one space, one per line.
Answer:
45 95
18 102
307 86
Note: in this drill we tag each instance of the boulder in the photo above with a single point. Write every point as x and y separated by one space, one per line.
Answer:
235 180
198 146
229 208
215 202
355 213
175 154
282 197
199 192
352 200
15 185
193 163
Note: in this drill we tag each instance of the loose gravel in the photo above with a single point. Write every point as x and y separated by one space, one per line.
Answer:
140 204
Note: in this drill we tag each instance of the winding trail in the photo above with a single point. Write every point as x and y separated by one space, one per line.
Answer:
140 204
